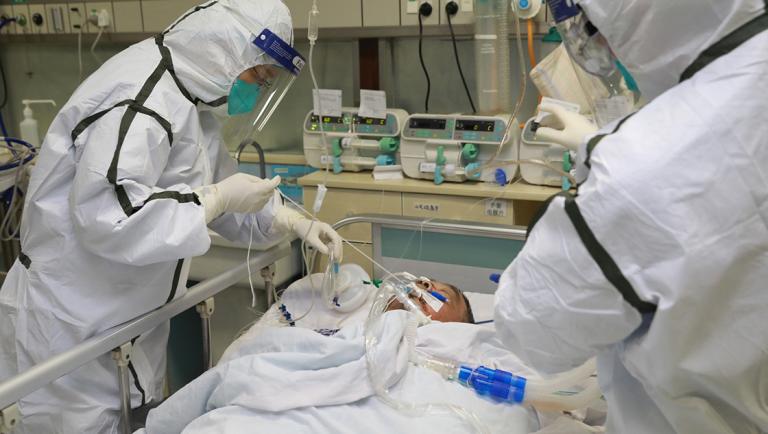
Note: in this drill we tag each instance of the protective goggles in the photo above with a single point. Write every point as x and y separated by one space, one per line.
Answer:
255 94
586 46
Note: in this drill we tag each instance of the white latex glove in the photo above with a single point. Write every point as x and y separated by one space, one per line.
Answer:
564 127
240 192
317 234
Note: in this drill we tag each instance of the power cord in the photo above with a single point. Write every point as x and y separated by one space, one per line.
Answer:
451 9
424 10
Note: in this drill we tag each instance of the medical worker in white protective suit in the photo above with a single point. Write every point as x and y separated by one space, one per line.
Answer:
659 265
131 175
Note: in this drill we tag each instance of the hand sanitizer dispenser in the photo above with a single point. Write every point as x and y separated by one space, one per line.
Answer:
28 127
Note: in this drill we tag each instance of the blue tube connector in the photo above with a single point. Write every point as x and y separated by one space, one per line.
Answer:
495 383
438 296
501 177
495 278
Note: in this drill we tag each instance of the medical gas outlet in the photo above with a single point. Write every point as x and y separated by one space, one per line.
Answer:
457 148
351 142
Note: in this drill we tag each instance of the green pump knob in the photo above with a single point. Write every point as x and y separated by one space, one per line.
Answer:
389 144
336 147
469 152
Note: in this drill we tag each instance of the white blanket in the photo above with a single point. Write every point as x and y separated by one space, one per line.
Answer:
282 379
277 378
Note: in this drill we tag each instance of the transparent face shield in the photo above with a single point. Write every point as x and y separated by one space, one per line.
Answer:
257 92
606 96
584 43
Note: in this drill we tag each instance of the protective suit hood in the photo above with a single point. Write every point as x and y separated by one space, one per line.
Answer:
658 39
212 47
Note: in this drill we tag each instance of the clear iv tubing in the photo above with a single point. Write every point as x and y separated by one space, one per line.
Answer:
388 289
523 81
312 33
378 307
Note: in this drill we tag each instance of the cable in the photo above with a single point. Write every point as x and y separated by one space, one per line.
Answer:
531 51
5 89
80 55
24 153
421 58
79 42
93 46
458 62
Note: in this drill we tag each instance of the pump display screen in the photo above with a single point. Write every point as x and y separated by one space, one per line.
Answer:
328 120
427 124
466 125
370 121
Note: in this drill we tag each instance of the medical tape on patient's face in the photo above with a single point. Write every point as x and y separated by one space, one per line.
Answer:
432 301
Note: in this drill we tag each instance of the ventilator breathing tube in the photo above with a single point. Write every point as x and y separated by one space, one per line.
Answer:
400 286
557 393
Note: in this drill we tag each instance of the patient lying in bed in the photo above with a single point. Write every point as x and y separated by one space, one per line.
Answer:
284 376
455 309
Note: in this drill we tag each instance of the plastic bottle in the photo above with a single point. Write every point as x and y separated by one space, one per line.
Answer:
28 126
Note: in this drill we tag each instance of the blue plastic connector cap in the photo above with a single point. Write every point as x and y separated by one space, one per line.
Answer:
385 160
497 384
473 168
337 166
501 177
495 277
524 4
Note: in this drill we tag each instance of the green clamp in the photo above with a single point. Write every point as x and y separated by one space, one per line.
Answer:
552 36
440 160
469 152
389 144
337 166
374 282
336 147
439 164
567 165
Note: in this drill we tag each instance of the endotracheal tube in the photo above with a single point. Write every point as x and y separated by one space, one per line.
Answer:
402 286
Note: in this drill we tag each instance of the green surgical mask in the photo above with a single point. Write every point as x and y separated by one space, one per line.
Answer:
242 97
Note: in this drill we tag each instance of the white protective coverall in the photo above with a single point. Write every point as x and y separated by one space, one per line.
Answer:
660 264
110 212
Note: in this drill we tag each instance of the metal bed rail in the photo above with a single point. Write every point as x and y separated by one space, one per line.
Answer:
447 226
117 340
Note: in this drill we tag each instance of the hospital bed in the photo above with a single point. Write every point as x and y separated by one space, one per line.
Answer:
117 340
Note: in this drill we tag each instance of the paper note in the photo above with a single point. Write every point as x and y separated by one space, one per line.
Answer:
608 110
495 208
327 103
373 104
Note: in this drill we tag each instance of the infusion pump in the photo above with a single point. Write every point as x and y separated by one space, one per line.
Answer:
456 148
551 154
353 143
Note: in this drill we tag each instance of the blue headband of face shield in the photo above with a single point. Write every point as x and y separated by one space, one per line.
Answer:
244 96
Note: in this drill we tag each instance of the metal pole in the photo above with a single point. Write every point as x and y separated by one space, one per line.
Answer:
38 376
122 356
268 274
205 309
450 227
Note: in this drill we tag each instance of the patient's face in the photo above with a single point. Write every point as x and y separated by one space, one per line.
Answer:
454 310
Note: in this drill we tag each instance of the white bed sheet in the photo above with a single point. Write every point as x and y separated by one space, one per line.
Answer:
276 378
